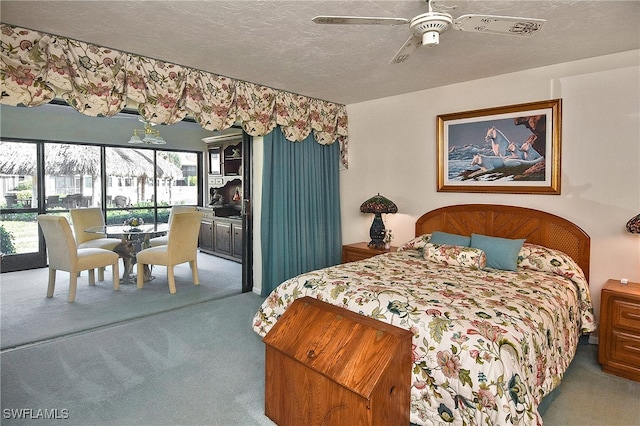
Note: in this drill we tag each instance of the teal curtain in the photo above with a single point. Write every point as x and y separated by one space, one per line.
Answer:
300 219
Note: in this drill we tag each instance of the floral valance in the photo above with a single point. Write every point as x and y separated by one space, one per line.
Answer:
36 67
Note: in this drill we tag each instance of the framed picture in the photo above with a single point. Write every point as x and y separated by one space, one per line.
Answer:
214 161
510 149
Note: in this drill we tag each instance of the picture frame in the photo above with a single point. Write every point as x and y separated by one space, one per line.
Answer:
512 149
215 162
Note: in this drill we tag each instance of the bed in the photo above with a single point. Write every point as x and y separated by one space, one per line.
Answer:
489 342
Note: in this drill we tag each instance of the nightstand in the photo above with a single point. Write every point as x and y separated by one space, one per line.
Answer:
619 342
360 251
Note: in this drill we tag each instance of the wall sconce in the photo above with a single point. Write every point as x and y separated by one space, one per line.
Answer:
378 205
151 136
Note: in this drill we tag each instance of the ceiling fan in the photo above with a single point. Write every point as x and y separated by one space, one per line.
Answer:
427 27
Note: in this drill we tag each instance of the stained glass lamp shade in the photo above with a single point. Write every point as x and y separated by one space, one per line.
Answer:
633 225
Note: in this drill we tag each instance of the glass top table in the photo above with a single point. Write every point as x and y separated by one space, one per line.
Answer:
128 231
133 239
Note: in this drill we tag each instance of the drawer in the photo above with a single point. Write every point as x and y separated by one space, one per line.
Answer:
625 348
625 314
353 257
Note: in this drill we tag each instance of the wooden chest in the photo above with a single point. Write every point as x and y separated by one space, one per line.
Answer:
326 365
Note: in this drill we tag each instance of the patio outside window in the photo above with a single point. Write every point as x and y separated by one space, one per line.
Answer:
135 182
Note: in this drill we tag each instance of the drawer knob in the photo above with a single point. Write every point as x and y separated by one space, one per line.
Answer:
311 353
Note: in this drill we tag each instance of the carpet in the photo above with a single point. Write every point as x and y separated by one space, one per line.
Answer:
197 365
28 317
203 365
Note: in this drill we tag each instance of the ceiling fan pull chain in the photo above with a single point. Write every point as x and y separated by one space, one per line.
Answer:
439 7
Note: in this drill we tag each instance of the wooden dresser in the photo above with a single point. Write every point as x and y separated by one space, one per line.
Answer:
619 341
326 365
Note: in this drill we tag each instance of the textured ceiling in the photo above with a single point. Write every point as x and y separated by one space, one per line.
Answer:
274 43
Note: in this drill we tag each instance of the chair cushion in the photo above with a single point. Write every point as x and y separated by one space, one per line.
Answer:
103 243
90 258
159 241
154 256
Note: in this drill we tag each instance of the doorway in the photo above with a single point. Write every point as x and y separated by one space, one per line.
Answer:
227 225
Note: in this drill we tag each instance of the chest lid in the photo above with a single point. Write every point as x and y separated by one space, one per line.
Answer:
351 349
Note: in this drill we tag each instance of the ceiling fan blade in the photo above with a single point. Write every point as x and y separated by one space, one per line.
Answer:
509 25
359 20
406 50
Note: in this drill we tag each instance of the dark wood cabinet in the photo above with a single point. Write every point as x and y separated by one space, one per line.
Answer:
232 160
236 247
225 180
221 236
228 191
619 340
326 365
206 235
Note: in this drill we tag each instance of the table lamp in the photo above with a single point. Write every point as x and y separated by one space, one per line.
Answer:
378 205
633 225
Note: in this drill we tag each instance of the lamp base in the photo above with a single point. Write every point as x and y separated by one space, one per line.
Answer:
378 245
376 233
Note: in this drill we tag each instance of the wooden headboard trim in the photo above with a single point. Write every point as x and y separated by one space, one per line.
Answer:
536 226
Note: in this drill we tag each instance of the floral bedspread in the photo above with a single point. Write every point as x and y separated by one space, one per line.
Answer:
488 344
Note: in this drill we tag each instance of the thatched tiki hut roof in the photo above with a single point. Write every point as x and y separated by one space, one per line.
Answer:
75 159
67 160
17 159
139 163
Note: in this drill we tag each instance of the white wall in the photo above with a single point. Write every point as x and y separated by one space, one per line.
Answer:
392 150
256 199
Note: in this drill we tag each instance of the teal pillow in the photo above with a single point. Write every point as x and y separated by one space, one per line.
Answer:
502 253
445 238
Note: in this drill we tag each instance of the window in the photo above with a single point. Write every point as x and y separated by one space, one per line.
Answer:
135 182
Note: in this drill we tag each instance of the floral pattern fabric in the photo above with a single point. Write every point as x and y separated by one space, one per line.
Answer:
97 81
89 78
24 65
447 254
488 344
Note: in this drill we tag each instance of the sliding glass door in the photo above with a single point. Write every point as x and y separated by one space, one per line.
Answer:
19 181
45 177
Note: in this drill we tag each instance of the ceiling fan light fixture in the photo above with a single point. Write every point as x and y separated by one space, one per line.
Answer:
431 38
431 21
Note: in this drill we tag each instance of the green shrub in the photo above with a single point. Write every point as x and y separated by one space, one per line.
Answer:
24 194
6 242
25 185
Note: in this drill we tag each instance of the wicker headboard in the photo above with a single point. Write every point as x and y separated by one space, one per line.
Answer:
536 226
